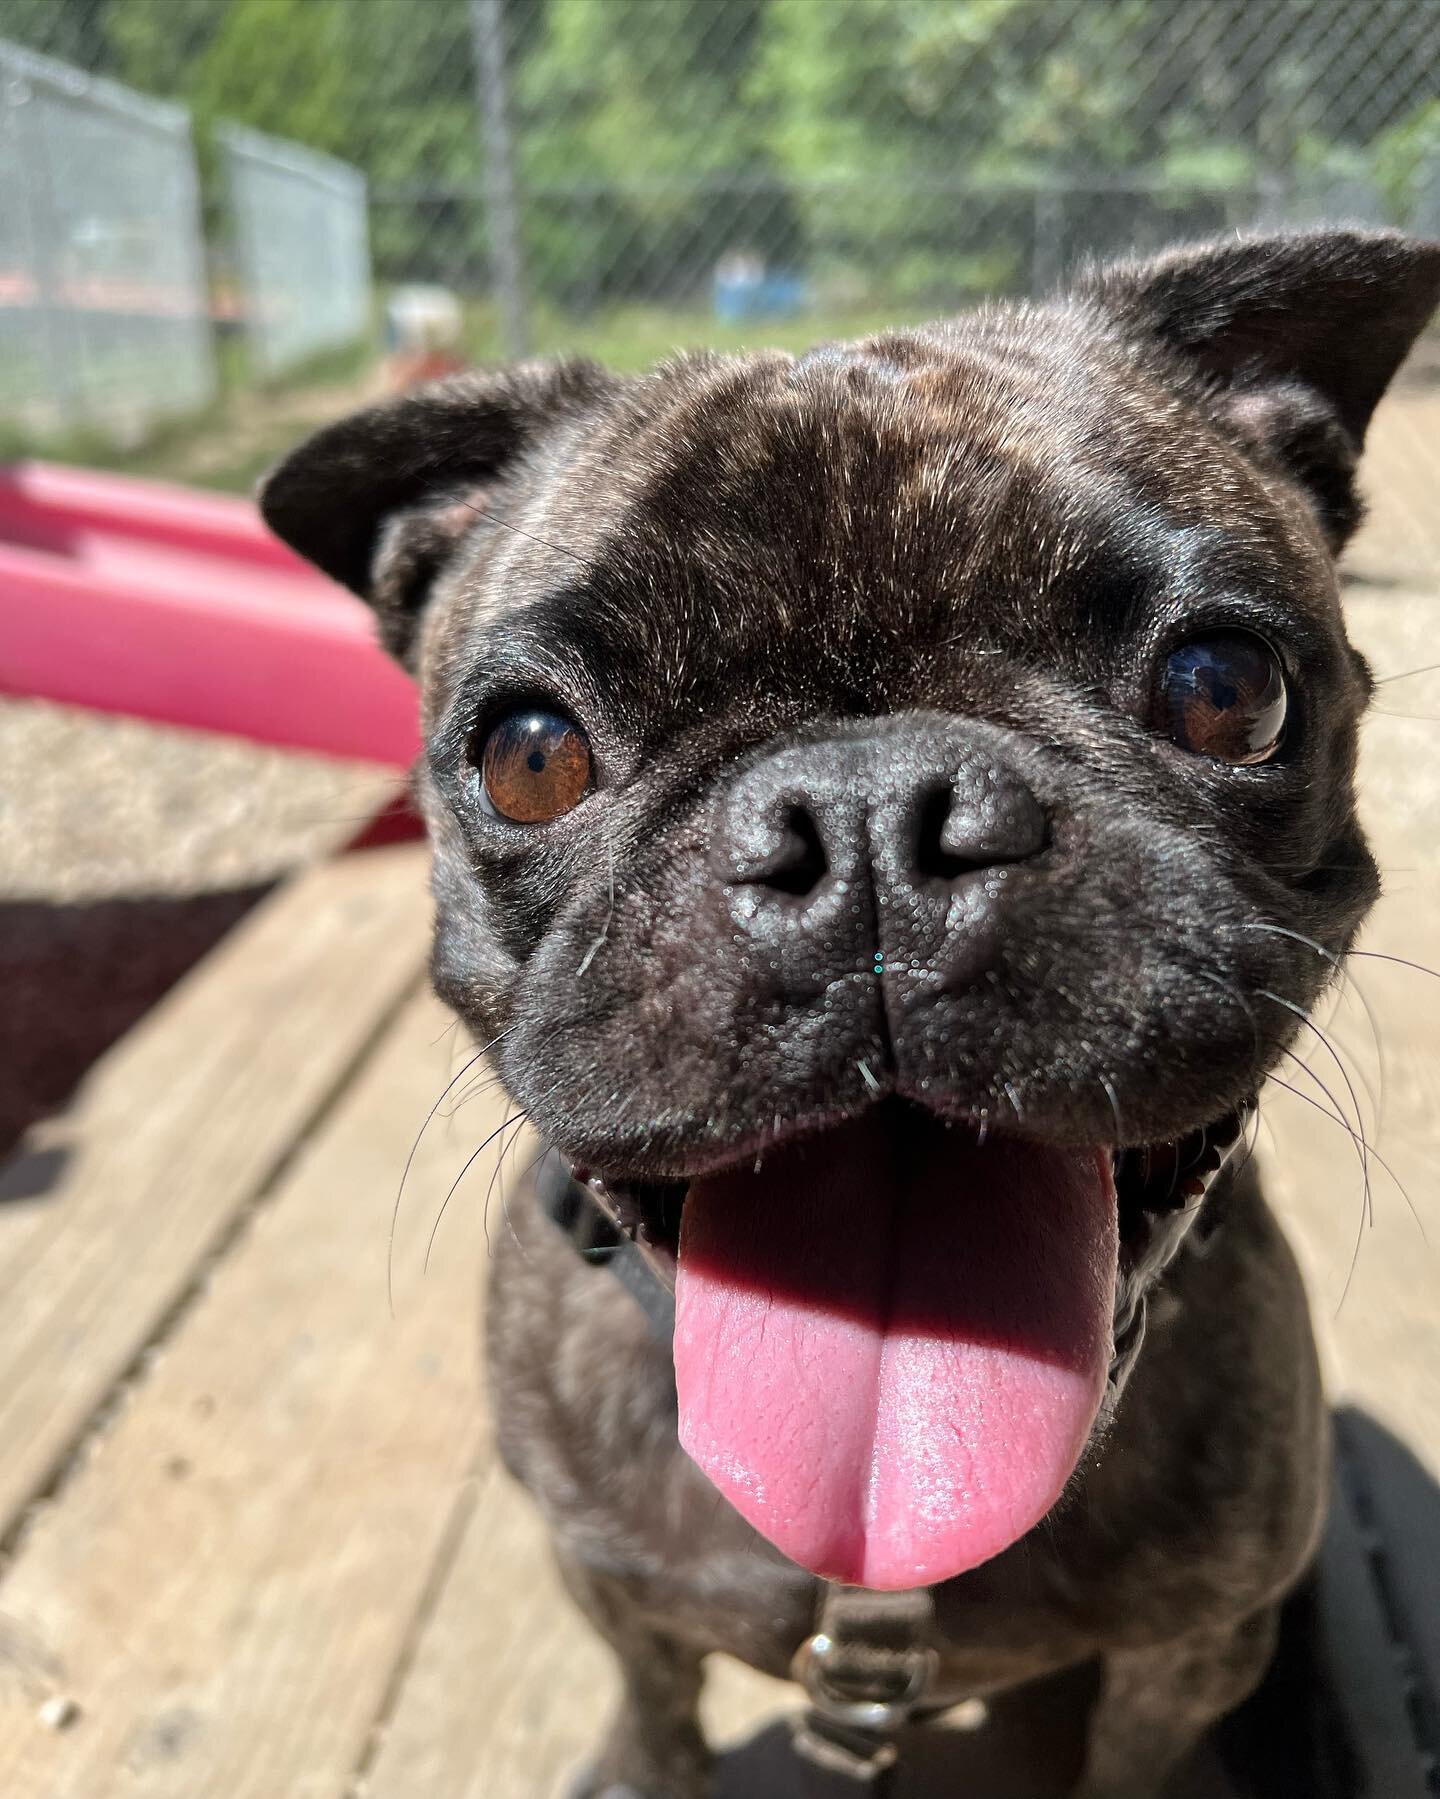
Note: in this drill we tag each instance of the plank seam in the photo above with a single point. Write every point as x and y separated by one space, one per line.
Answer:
452 1539
171 1317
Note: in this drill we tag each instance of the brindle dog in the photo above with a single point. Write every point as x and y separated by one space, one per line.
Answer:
892 809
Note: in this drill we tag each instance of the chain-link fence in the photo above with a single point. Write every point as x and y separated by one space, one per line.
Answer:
837 155
301 248
627 176
104 308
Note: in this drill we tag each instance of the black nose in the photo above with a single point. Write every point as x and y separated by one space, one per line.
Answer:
878 840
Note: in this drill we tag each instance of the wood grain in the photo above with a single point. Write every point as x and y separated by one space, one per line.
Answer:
227 1589
289 1566
510 1687
108 1213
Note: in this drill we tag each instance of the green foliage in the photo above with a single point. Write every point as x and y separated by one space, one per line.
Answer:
72 30
1405 157
614 143
993 87
282 66
898 148
899 156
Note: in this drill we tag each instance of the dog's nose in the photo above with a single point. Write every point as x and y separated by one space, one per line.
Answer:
872 834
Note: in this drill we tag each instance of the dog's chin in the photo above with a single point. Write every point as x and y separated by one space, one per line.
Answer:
895 1334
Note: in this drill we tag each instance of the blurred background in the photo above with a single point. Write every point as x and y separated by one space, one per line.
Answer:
217 214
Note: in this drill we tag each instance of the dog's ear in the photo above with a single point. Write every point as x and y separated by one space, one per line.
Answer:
381 499
1297 337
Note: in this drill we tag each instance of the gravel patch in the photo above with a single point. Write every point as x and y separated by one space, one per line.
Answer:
96 807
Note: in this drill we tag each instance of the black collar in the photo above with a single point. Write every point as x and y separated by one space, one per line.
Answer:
597 1240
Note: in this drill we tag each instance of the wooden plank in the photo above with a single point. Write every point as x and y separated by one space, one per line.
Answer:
510 1688
1373 1283
225 1591
108 1214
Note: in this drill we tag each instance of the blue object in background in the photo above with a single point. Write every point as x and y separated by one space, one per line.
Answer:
746 289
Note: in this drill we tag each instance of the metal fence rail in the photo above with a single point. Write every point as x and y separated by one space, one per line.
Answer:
301 247
656 173
103 300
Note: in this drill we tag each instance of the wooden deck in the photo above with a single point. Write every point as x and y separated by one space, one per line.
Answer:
255 1543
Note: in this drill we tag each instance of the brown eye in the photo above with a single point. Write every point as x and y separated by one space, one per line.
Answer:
1224 696
535 766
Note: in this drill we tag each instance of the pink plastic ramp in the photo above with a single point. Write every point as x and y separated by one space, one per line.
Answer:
130 596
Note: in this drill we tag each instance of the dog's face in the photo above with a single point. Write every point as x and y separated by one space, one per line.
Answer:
891 810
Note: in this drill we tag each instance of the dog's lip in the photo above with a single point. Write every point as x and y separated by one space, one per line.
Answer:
1161 1189
712 1159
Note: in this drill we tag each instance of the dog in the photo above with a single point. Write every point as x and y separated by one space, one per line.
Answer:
891 809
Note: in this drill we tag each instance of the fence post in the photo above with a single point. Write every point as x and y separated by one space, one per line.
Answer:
506 260
63 350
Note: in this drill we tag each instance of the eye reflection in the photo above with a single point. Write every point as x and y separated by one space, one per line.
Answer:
1224 696
535 766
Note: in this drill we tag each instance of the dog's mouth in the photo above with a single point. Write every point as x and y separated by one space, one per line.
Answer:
893 1337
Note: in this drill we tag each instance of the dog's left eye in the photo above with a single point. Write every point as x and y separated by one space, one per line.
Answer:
1224 696
534 766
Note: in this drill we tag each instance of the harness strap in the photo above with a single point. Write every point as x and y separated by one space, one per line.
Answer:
867 1671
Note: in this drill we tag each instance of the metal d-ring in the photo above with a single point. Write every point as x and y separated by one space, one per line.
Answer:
847 1703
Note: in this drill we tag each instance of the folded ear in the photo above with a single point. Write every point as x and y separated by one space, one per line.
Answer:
381 499
1296 337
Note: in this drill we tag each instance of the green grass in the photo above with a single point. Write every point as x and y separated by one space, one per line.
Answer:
636 337
228 445
192 451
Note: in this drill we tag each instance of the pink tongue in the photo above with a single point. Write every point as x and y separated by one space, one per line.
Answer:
891 1344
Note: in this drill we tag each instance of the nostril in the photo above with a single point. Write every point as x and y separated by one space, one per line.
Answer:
799 863
977 821
933 858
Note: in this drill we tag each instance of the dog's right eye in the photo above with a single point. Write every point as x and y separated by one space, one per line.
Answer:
534 766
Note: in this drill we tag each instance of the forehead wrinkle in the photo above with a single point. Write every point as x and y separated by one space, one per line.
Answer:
1094 440
762 501
568 503
833 498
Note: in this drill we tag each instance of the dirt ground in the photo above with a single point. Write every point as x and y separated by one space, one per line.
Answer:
126 852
